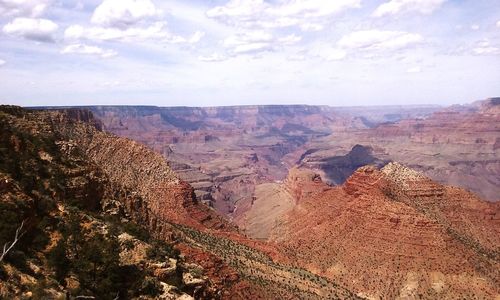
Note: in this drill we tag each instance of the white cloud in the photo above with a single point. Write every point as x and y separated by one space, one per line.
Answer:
88 50
326 52
123 13
335 54
23 8
257 41
32 29
485 48
274 23
196 37
414 70
394 7
157 31
296 57
313 8
254 41
74 32
290 39
261 14
498 24
245 9
474 27
212 58
128 21
2 62
311 27
379 40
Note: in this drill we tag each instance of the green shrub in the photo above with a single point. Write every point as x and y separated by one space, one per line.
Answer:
160 250
58 260
150 286
136 231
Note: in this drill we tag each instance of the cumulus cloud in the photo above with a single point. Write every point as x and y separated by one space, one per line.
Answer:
379 40
127 21
474 27
244 9
123 13
485 48
394 7
88 50
33 29
498 24
2 62
257 41
313 8
23 8
157 31
261 14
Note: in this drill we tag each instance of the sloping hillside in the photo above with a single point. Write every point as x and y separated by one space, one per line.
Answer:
394 233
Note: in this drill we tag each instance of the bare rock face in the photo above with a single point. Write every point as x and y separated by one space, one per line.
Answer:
60 169
336 169
302 183
270 201
398 226
224 152
456 146
158 195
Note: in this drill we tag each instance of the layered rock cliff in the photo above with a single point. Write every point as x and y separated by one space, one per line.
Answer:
457 146
394 233
103 207
67 221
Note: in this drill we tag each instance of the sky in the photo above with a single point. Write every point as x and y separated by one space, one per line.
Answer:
239 52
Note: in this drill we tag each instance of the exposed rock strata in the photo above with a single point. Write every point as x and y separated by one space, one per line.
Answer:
394 233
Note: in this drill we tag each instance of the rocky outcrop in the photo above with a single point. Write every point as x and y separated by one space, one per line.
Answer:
98 211
71 217
302 183
233 148
456 146
152 193
338 168
398 226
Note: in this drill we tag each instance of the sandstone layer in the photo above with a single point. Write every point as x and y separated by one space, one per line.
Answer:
394 233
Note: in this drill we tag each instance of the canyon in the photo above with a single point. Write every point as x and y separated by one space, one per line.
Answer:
232 155
395 232
258 202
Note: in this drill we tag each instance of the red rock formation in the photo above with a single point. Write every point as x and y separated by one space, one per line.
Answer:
456 146
395 233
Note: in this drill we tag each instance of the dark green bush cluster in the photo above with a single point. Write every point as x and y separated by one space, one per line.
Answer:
93 259
160 250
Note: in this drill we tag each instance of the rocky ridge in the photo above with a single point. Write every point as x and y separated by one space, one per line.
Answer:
75 239
393 233
113 189
457 146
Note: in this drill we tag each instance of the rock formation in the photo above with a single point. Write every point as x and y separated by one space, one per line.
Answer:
456 145
104 216
394 233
